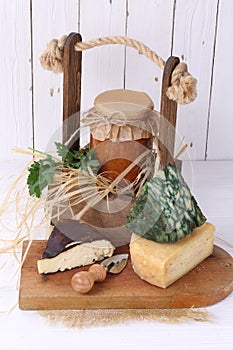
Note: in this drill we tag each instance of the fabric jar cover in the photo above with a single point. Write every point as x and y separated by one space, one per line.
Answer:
122 115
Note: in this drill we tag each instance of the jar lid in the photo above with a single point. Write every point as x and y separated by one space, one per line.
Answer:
132 104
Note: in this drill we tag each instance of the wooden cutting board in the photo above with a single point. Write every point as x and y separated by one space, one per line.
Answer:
210 282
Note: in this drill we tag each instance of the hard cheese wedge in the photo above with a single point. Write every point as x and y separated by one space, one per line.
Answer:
161 264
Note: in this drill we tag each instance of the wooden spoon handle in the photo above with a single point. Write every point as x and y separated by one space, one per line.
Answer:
83 281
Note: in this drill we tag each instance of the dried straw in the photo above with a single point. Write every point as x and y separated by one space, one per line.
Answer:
70 186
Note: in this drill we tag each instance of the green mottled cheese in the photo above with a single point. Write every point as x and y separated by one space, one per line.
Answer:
165 210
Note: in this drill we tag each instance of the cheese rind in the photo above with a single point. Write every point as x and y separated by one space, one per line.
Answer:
79 255
161 264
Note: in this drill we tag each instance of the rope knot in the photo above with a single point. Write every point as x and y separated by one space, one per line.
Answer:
183 85
52 57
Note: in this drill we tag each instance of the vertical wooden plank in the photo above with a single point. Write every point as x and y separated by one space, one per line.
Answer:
168 110
193 42
151 23
15 71
51 19
71 89
220 140
102 67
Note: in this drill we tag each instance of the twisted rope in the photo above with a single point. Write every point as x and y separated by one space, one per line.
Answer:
183 84
140 47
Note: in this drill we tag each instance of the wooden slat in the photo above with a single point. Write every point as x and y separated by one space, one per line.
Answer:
72 89
193 42
208 283
60 17
220 140
15 71
103 67
168 109
151 23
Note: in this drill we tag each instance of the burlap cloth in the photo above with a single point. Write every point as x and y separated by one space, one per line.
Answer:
109 317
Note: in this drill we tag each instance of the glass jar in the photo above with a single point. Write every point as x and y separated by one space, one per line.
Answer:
122 126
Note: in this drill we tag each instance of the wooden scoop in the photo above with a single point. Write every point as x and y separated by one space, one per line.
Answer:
83 281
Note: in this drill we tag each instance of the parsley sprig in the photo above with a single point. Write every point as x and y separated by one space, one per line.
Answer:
41 172
83 160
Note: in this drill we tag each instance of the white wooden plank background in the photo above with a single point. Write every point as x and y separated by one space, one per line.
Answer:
15 72
192 29
193 42
103 67
50 19
220 140
151 23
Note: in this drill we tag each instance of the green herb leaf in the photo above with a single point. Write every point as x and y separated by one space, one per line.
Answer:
77 159
41 174
32 180
62 150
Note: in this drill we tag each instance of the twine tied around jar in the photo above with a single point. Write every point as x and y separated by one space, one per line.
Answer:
117 126
183 84
93 116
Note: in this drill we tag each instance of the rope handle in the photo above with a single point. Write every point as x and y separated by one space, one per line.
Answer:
183 84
